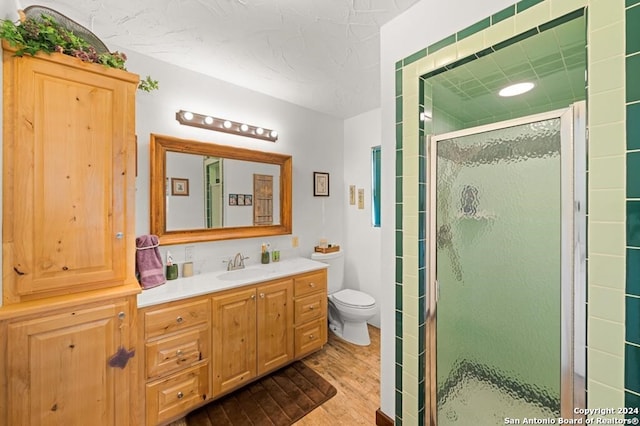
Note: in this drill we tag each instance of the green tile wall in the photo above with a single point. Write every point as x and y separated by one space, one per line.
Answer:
632 310
542 12
398 243
632 287
633 130
633 271
526 4
503 14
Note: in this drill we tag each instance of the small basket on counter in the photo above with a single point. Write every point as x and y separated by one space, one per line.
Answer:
328 249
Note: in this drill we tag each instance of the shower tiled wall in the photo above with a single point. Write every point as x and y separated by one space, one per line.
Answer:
632 289
612 335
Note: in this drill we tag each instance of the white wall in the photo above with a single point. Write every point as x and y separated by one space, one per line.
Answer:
427 22
362 240
238 179
185 212
313 139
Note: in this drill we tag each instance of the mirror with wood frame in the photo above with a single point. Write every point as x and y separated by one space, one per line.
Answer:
205 192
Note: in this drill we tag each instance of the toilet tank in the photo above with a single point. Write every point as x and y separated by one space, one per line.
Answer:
335 272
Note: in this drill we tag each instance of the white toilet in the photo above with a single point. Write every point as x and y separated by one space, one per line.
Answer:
349 309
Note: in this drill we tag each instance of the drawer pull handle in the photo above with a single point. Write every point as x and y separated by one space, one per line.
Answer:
310 336
179 352
180 395
179 320
312 285
311 307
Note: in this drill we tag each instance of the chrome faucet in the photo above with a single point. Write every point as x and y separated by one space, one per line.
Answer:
237 262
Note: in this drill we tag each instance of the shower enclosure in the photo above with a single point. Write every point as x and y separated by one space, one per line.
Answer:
506 271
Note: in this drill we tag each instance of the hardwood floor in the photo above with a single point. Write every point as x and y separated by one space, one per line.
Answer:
355 373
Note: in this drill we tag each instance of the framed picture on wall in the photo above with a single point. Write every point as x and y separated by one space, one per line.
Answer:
233 199
241 199
179 186
320 184
248 199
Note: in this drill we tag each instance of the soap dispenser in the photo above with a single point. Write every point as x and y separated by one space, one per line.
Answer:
264 258
172 268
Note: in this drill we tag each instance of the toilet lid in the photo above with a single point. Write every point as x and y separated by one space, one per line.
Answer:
354 298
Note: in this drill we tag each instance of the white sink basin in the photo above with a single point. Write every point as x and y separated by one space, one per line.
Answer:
242 274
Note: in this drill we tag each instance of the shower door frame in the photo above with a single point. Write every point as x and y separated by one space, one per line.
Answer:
573 142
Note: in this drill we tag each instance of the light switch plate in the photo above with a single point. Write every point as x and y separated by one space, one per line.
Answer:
188 253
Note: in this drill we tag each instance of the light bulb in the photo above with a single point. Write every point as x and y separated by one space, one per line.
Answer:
187 115
516 89
227 124
274 134
244 127
208 120
259 131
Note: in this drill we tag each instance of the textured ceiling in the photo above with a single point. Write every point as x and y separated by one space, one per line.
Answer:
320 54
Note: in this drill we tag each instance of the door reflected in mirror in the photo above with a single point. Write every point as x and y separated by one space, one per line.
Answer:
232 192
223 192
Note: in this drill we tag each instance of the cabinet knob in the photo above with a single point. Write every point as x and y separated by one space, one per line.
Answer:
253 296
179 352
122 316
311 308
119 235
310 336
262 295
180 395
179 320
312 284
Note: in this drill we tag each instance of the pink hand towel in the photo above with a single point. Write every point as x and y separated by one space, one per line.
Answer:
148 262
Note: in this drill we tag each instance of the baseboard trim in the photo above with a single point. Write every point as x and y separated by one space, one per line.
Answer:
382 419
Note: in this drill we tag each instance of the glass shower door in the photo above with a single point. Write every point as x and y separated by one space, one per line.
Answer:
498 262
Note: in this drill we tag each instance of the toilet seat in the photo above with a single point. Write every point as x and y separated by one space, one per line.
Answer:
353 299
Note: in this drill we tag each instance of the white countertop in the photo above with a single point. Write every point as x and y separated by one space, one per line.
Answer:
183 288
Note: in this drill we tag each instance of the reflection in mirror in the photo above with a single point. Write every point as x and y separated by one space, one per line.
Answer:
223 192
204 192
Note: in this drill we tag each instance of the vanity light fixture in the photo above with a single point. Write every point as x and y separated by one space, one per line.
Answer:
189 118
516 89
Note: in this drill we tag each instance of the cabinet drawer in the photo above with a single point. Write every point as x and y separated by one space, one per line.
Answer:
310 337
178 351
177 395
307 284
179 317
310 307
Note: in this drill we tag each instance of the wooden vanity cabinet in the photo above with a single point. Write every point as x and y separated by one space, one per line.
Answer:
198 349
310 302
68 242
69 176
176 358
252 333
58 365
274 321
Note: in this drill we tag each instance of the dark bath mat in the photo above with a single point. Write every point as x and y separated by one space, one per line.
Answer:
279 399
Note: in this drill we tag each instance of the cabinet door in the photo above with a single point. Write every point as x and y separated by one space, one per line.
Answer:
58 368
275 325
234 339
69 154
